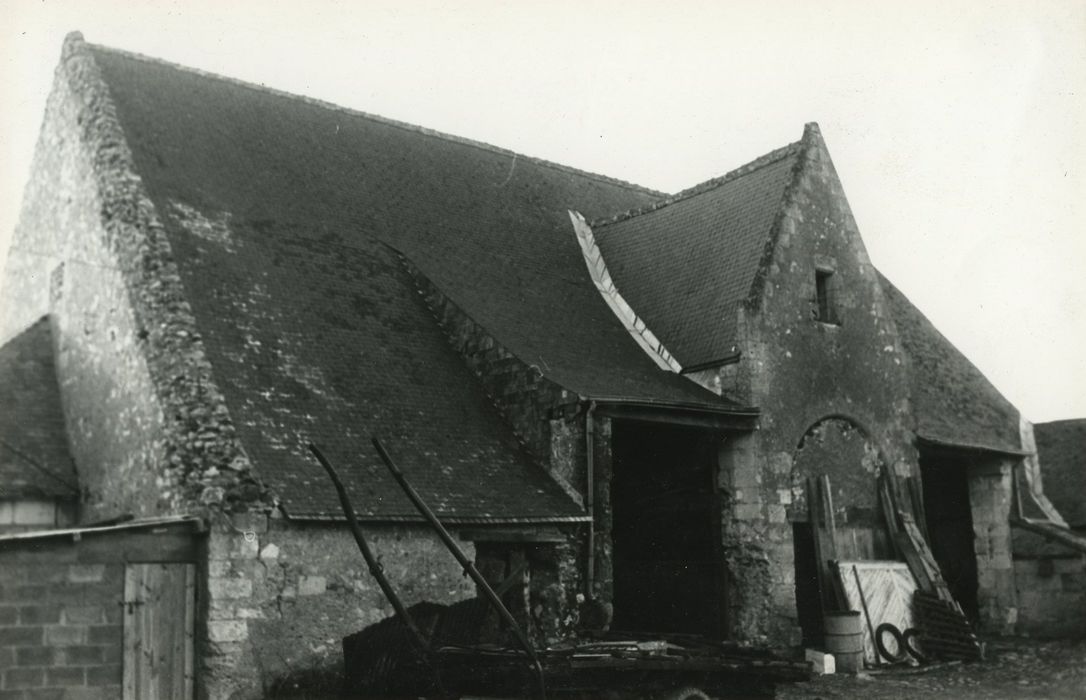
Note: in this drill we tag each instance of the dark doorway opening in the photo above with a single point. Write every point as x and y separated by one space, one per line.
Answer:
808 592
668 569
945 478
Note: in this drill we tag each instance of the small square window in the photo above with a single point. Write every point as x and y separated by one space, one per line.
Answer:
825 310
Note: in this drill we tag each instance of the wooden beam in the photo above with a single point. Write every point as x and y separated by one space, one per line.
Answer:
525 534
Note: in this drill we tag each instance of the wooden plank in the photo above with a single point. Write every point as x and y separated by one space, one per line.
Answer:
889 513
188 687
131 643
110 547
159 627
889 588
911 542
856 543
828 519
911 549
525 534
916 494
927 559
1053 532
826 596
828 532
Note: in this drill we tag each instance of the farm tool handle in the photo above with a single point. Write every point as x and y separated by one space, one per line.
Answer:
867 616
469 568
375 567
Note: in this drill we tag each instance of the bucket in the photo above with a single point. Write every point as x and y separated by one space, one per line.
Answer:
844 639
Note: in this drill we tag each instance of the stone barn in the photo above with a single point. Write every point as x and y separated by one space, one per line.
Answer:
612 395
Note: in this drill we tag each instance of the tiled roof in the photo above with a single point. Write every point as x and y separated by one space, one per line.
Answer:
34 457
953 402
315 340
1061 446
274 207
684 264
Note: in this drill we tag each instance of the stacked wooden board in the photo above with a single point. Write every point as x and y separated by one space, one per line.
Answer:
945 632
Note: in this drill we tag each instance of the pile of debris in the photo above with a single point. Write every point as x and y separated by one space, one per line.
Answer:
910 615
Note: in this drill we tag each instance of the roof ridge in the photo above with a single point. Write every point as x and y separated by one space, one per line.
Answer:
711 184
1060 420
406 126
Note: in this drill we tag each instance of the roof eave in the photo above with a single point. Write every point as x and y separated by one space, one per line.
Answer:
192 523
961 445
697 415
415 519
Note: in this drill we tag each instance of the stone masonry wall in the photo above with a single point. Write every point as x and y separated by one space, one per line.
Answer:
60 628
59 264
149 428
1051 584
800 371
990 501
282 595
520 392
547 420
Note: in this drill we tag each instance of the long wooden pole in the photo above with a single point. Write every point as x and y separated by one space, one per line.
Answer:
469 567
867 616
375 567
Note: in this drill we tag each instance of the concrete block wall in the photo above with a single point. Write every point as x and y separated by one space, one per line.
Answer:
61 629
281 595
990 502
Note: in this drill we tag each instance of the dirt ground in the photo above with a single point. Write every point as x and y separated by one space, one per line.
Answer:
1012 669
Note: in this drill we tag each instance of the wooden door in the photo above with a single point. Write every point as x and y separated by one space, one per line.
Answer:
159 615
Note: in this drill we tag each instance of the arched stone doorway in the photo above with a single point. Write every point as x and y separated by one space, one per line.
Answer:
839 452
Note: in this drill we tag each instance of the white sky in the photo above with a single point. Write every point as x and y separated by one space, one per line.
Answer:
958 126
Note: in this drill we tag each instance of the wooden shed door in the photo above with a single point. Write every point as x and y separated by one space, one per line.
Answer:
159 614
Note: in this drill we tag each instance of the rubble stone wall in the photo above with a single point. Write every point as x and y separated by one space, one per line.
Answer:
520 392
281 595
801 370
149 430
549 422
1051 584
60 627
